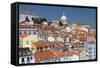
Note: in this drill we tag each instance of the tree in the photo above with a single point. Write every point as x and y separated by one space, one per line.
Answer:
27 19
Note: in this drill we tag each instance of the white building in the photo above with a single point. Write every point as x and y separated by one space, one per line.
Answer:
25 56
24 15
70 57
59 39
51 38
28 30
91 49
64 19
42 36
68 29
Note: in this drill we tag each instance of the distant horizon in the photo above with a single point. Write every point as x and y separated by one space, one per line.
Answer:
73 14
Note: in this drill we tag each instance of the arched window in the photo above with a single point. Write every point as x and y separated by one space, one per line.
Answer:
31 58
23 60
28 60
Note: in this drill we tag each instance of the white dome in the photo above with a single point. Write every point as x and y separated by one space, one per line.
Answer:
63 18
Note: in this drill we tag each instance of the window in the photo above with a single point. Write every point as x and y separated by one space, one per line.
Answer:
27 42
22 60
34 32
90 52
90 55
19 32
86 55
28 59
46 58
41 48
90 48
32 48
46 47
24 32
37 48
69 59
52 46
29 32
31 58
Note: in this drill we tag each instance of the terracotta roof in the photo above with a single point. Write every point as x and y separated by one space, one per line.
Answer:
57 43
56 35
67 53
28 26
23 35
47 54
71 52
58 53
47 43
49 28
42 43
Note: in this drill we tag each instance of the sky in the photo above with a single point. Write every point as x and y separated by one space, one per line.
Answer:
73 14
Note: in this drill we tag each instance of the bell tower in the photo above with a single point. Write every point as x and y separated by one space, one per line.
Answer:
64 19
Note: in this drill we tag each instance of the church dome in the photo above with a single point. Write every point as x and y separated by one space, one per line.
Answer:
63 18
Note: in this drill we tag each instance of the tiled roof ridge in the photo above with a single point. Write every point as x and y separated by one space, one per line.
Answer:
53 53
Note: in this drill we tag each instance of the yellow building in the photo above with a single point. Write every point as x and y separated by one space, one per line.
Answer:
26 40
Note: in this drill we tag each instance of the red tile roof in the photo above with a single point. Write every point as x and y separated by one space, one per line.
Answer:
58 53
47 54
71 52
23 35
42 43
28 26
47 43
